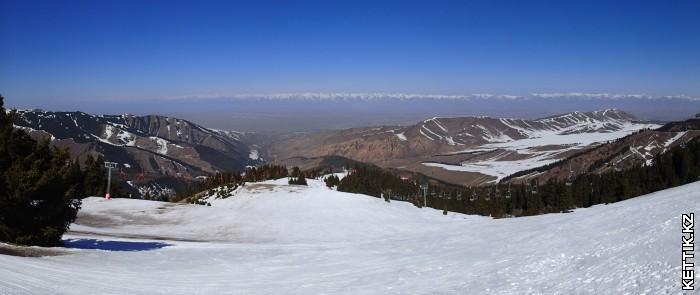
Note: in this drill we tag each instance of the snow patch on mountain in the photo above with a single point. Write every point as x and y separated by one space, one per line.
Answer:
401 136
254 155
162 145
497 167
534 146
426 136
673 139
550 137
109 130
126 138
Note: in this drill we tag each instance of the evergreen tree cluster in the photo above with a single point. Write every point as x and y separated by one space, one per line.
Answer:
678 166
332 180
264 172
374 181
297 177
91 179
233 179
39 187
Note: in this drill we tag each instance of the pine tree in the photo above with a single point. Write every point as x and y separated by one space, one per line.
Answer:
95 178
36 201
332 181
297 177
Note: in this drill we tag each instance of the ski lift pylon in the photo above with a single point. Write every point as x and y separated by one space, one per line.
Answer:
570 178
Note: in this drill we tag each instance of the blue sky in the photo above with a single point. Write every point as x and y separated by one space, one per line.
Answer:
63 53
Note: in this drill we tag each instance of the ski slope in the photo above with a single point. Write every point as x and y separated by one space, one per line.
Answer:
272 238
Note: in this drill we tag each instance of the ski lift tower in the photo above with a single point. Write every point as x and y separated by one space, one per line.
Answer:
570 179
109 166
424 188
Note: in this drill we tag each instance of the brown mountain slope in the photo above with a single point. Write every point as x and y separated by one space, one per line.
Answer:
636 149
153 145
443 147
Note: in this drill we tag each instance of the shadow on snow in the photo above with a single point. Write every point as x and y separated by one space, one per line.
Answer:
112 245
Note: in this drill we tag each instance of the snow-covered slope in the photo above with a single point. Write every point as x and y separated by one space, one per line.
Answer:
272 238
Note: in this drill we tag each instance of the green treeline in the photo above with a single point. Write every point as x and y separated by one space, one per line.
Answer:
678 166
233 179
374 181
40 187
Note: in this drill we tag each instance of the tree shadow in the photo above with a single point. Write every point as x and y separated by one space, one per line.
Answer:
112 245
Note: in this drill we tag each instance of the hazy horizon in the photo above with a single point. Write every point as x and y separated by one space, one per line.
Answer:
313 112
276 66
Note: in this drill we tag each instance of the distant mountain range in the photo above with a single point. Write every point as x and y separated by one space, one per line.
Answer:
460 150
151 146
464 150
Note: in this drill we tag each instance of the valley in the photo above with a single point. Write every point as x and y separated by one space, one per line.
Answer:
158 154
467 151
349 147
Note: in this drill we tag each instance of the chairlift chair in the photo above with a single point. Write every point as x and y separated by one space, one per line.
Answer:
534 189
